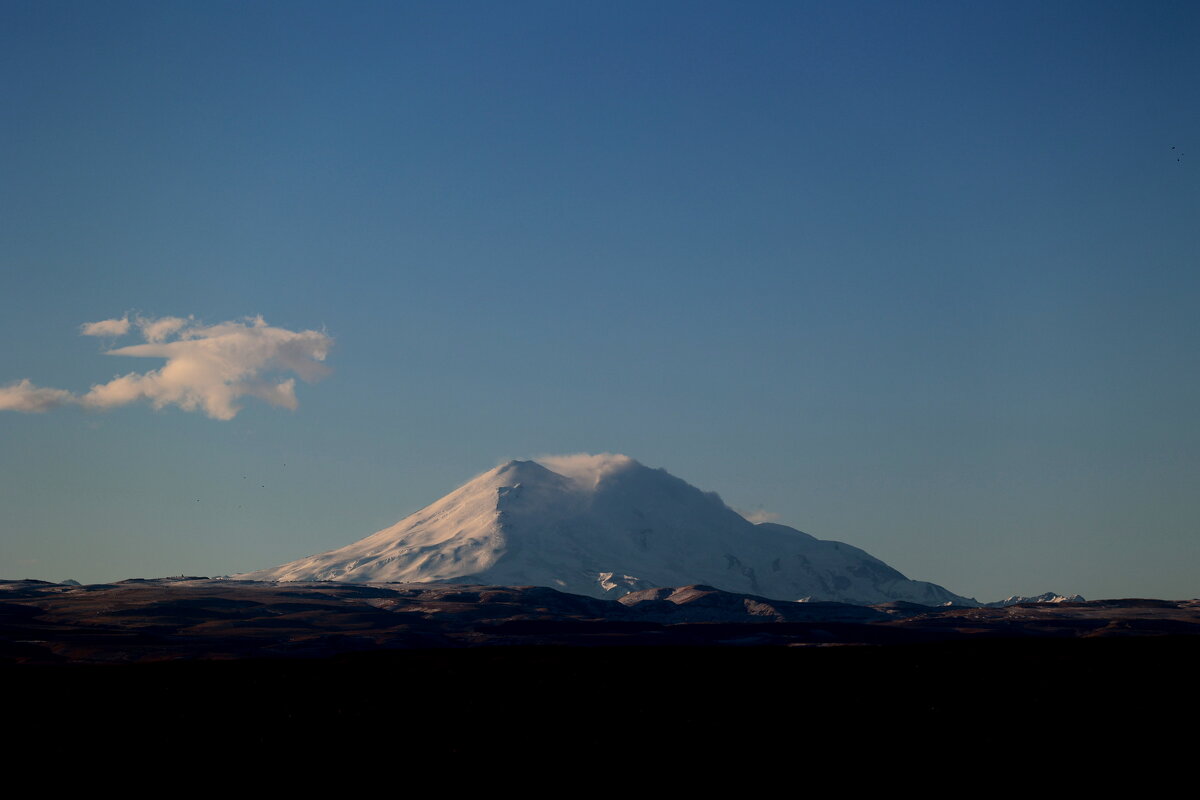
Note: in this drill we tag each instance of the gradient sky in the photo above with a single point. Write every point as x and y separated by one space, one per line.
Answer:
921 277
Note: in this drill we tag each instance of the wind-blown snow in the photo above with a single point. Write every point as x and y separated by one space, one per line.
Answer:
605 525
587 469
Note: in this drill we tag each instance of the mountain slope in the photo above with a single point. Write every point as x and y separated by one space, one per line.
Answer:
604 526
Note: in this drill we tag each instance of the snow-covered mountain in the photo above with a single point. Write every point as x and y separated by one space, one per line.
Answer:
605 526
1044 597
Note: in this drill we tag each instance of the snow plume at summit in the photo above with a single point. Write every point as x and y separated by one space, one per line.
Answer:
208 368
586 468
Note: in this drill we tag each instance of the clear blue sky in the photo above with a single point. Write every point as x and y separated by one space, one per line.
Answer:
921 277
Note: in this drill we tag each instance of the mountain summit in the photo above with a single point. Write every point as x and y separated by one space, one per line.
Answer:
604 526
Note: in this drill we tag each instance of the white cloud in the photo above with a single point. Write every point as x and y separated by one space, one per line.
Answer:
106 327
24 396
208 368
157 330
586 468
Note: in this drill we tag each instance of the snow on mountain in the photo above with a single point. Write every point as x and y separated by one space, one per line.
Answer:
605 526
1044 597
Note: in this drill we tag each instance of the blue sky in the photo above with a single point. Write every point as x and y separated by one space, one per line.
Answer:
921 277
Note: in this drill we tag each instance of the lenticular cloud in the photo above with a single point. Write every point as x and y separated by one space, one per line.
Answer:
208 368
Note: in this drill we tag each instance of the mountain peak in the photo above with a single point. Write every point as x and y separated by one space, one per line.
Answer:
603 525
589 469
519 470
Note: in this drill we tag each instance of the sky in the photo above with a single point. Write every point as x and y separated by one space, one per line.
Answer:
921 276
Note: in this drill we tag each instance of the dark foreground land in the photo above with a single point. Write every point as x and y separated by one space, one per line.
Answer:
447 675
611 705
